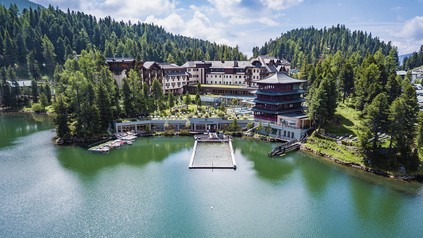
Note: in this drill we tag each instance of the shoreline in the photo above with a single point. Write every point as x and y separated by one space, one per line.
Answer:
303 148
378 172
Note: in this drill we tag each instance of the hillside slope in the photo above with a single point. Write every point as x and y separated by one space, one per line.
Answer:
311 44
20 3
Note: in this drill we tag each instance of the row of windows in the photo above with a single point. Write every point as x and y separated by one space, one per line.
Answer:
175 84
220 82
226 76
289 134
276 87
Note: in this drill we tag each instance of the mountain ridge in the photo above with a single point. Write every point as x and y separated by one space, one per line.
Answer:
22 4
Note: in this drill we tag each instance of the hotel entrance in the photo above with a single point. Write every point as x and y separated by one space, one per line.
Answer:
211 127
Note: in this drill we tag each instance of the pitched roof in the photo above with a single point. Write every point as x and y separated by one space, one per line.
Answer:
148 64
280 78
110 60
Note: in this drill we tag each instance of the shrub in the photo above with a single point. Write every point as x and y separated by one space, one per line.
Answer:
36 107
184 132
169 133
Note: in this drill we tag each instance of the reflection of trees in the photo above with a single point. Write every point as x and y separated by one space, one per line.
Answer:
374 203
361 198
273 169
314 174
143 151
17 125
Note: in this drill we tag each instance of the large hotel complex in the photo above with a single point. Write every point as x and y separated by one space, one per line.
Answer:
278 98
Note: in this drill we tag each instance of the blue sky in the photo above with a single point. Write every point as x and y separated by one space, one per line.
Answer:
249 23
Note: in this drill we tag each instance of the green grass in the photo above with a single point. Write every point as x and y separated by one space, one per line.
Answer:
346 121
333 149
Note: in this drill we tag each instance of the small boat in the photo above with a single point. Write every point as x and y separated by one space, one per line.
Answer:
129 142
102 149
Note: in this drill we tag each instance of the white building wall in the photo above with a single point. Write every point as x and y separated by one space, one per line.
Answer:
120 77
196 75
174 83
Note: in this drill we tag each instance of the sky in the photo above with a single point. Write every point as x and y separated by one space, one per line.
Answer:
249 23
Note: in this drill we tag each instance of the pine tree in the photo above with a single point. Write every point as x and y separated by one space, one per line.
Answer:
187 100
43 100
9 50
157 93
346 79
127 99
49 55
33 69
34 90
377 119
48 92
171 100
198 99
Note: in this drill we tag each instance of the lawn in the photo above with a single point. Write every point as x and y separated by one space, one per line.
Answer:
333 149
346 121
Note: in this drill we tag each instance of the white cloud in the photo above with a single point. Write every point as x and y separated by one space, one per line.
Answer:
221 21
172 23
408 37
280 4
268 21
413 28
200 26
126 9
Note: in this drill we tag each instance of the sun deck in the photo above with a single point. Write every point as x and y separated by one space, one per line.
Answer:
212 152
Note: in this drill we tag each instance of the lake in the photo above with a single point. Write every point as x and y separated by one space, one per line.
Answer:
147 190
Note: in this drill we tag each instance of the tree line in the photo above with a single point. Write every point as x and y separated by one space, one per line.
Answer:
34 41
88 99
414 60
309 45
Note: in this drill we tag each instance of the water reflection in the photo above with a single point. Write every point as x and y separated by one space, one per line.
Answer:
376 205
15 125
271 169
410 188
314 175
143 151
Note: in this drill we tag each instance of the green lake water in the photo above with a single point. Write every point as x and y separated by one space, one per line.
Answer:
147 190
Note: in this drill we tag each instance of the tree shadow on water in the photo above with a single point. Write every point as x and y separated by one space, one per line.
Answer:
315 175
142 152
270 169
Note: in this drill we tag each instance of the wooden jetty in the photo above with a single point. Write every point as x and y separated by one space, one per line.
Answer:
286 147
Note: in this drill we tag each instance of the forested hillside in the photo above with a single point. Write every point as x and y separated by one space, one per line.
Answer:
34 41
358 72
414 60
21 4
310 44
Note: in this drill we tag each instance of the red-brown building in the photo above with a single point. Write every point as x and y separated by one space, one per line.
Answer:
278 94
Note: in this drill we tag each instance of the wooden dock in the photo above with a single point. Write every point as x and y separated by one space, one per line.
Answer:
285 148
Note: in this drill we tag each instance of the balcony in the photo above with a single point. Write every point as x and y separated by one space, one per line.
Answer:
276 93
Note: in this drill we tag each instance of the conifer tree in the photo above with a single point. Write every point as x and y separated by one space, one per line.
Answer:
34 90
377 119
49 55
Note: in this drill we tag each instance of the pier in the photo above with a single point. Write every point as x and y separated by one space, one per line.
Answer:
287 147
212 151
